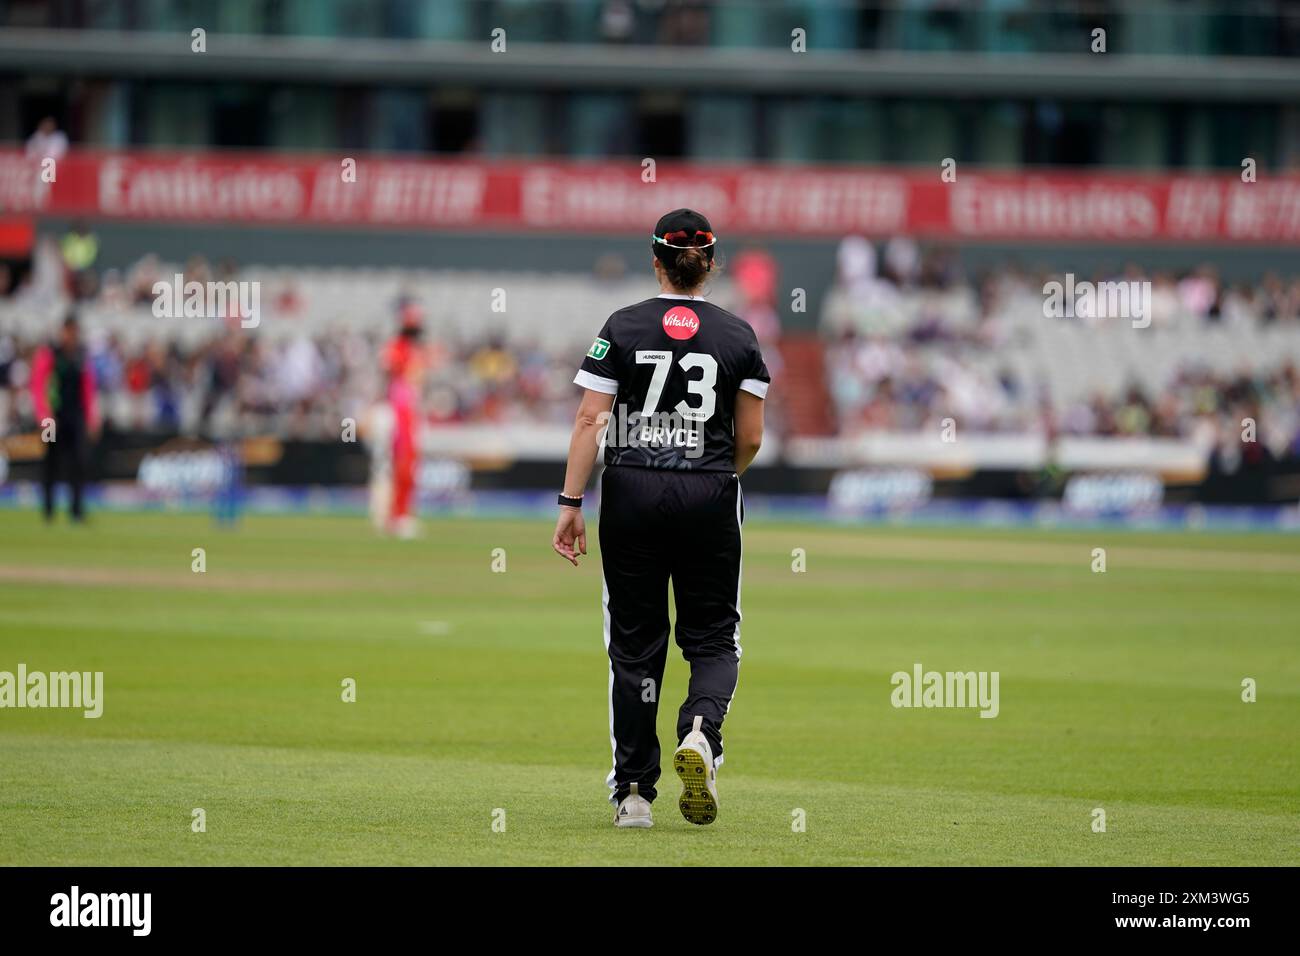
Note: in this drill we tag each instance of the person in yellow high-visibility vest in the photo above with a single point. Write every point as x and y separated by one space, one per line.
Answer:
80 249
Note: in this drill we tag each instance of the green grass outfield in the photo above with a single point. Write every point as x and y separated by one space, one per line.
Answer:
479 690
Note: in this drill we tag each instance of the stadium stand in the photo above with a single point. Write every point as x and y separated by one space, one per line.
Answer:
901 350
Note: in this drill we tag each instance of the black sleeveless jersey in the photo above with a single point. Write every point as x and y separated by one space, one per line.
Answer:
674 364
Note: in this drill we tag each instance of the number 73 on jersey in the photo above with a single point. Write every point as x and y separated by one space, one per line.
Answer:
705 386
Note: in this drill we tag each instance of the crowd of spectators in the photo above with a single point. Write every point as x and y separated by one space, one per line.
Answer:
300 381
912 340
297 387
233 381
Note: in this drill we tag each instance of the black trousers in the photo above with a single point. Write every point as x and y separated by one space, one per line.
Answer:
657 525
70 451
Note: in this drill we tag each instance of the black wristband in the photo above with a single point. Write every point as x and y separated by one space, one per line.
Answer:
570 502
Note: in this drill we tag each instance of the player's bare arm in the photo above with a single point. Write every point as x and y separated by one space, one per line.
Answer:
749 429
570 539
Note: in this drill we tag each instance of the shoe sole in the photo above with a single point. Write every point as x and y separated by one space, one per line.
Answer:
697 804
638 823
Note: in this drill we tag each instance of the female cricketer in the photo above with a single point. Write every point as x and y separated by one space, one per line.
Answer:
680 384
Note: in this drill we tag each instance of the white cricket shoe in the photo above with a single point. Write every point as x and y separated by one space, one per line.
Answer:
693 762
633 811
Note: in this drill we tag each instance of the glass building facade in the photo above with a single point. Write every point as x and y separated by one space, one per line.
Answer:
1161 27
677 120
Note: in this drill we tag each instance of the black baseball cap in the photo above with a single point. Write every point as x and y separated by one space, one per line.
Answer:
682 229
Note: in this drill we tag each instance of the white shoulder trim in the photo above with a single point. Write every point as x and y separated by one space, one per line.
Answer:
597 383
754 387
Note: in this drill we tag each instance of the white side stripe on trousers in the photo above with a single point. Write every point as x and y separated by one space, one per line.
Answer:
613 744
740 569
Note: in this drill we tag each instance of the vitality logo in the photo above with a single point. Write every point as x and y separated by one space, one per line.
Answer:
681 322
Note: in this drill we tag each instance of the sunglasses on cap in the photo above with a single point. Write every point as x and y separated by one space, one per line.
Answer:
681 239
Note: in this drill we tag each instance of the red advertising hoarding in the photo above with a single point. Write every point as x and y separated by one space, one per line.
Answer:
612 197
